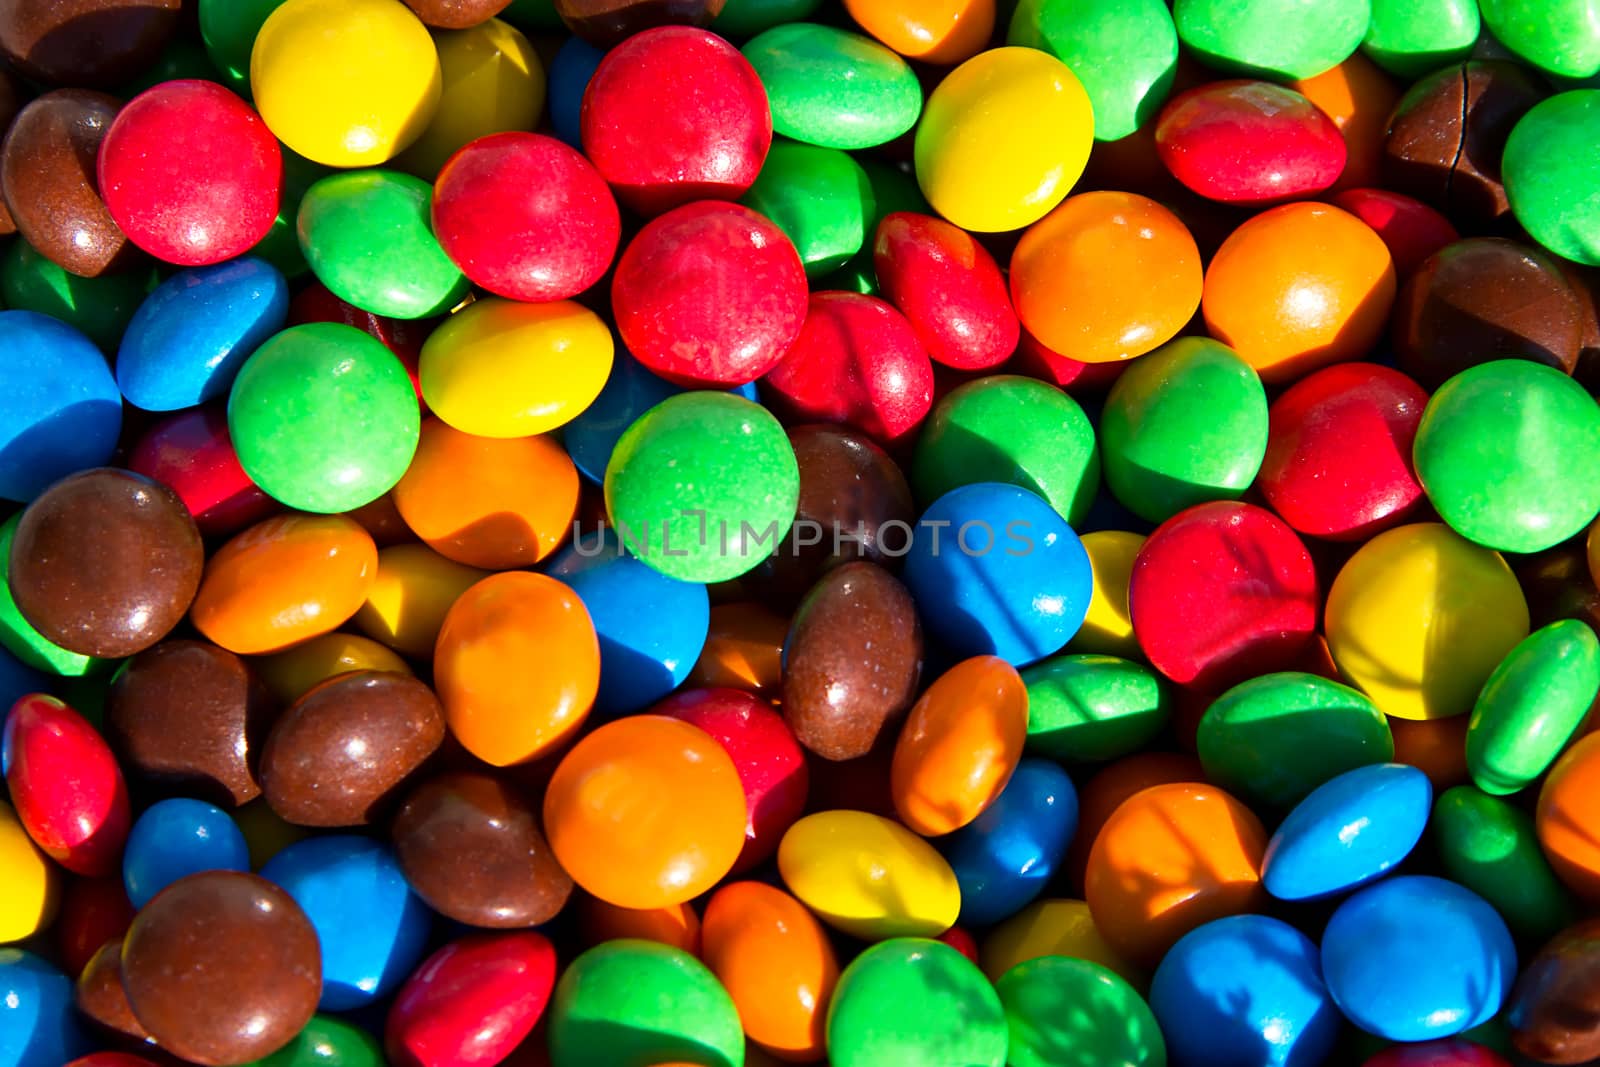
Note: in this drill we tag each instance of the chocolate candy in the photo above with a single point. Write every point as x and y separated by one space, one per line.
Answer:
606 22
1554 1011
85 42
456 14
101 997
106 562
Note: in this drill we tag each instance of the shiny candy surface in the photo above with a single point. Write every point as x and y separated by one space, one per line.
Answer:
1542 178
472 1001
822 200
1005 857
949 288
36 1010
1044 1001
1493 849
1348 831
913 1001
1532 705
178 837
61 413
98 42
193 453
1051 928
1248 142
413 591
1567 804
1272 38
29 900
1551 1011
65 783
1088 707
868 876
834 88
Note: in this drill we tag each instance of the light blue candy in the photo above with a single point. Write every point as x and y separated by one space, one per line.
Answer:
1348 831
1003 858
176 838
574 64
38 1023
60 411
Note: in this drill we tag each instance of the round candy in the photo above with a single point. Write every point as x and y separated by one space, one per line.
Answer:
1532 704
1004 857
37 1022
834 88
630 391
99 307
347 84
413 591
1052 928
1416 957
1002 139
677 925
939 32
1087 708
1359 98
228 29
868 876
1249 142
1409 39
29 900
326 1041
292 673
821 198
1560 37
1569 803
25 644
1271 37
61 411
193 453
1107 628
574 64
1493 849
178 837
1348 831
1412 230
1551 1013
949 288
101 997
65 783
471 1002
456 14
915 1002
1044 1002
85 42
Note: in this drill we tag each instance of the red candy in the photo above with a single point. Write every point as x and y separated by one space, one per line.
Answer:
963 942
526 217
472 1002
709 295
1451 1052
190 173
949 287
1412 230
192 453
93 911
1037 360
111 1059
1338 461
673 115
1249 142
69 793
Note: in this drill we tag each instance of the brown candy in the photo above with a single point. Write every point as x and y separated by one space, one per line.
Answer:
1485 299
336 757
852 661
190 718
471 847
11 101
456 14
101 997
605 22
47 176
106 562
222 968
1554 1010
96 43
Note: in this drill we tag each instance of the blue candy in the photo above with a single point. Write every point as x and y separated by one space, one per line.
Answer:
1415 957
996 571
179 837
60 411
189 338
1348 831
1245 991
1003 859
372 927
38 1021
17 680
570 71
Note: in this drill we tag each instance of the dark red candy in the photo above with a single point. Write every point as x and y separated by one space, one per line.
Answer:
949 287
85 42
1037 360
1249 142
471 1002
709 295
65 784
606 22
1410 229
1338 462
101 997
112 1059
1554 1010
1449 1052
673 115
857 362
526 216
93 911
456 14
958 938
193 454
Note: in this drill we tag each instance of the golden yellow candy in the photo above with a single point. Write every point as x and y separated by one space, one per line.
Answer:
29 885
408 600
1002 139
265 833
869 876
1419 617
1051 928
290 673
346 83
500 368
492 83
1108 628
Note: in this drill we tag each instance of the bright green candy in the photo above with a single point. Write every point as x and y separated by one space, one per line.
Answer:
1506 453
324 417
367 237
913 1002
1492 848
820 198
281 245
1559 36
703 486
1125 52
17 633
892 190
1183 425
1087 708
100 307
1065 1012
327 1041
1010 429
1278 38
1410 38
634 1003
834 88
1275 738
1531 705
1552 174
746 18
229 29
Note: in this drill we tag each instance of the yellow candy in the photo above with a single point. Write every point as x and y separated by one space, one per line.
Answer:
265 833
29 885
414 589
292 672
1051 928
1108 628
868 876
492 83
500 368
1002 139
1419 617
346 83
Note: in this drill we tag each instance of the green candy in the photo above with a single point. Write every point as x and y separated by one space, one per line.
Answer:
703 486
100 307
281 245
324 417
1274 739
17 633
1183 425
1274 38
1506 453
1010 429
1410 38
834 88
820 198
1125 52
892 190
367 236
532 16
746 18
630 1003
229 28
1065 1012
1086 708
1492 848
180 59
1552 174
1558 36
1531 705
912 1002
327 1041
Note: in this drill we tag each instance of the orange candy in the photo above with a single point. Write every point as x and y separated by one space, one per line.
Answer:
776 962
1299 287
1359 97
1169 859
743 650
491 502
959 745
1568 818
283 581
675 924
1106 276
1114 783
941 32
517 666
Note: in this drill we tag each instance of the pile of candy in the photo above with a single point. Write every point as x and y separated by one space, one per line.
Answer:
902 533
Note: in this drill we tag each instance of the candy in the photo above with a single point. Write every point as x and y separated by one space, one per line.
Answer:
1050 928
1531 706
1410 39
1560 38
229 28
949 288
61 411
746 18
940 32
820 198
834 88
178 837
472 1001
25 644
456 14
413 591
65 783
32 892
1107 628
1044 1002
1492 848
94 911
1566 806
98 307
1412 230
915 1002
1246 142
1272 37
1088 707
574 64
1004 858
292 673
676 925
37 1023
101 998
1359 98
1348 831
868 876
606 22
193 453
1543 181
326 1041
1551 1011
98 42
